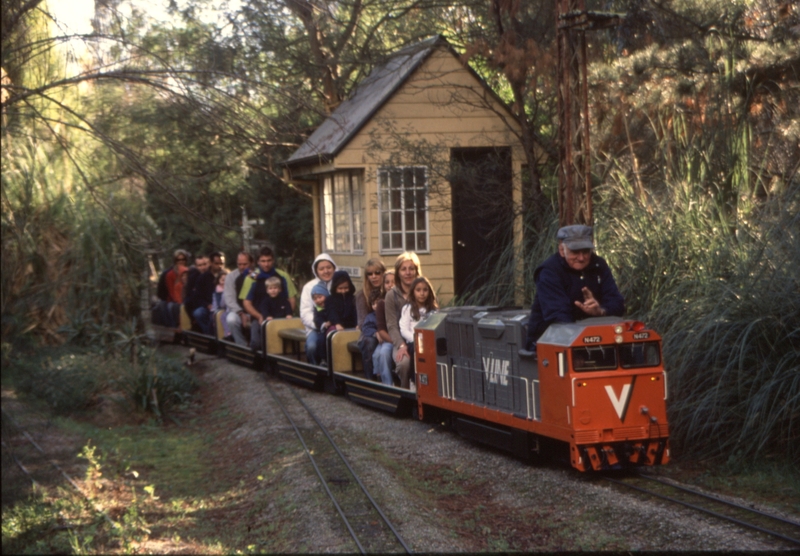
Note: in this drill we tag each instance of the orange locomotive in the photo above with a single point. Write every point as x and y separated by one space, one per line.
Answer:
597 386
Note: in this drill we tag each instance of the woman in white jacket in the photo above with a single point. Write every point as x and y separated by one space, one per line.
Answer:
323 268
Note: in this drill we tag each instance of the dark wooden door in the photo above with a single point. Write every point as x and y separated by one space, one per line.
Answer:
482 215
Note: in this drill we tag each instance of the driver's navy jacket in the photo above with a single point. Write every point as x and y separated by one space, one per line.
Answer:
558 287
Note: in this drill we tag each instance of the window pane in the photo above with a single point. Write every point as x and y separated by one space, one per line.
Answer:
397 221
594 358
420 201
410 198
419 175
402 196
410 224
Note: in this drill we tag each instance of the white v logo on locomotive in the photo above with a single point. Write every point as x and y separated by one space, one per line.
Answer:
496 370
620 404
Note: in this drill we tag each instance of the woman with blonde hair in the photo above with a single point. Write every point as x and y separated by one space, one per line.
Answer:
373 280
407 268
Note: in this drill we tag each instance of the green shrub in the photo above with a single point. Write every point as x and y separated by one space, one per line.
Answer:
70 379
66 381
167 378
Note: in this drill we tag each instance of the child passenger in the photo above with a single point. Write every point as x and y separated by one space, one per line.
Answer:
421 301
319 295
219 301
382 356
341 305
275 305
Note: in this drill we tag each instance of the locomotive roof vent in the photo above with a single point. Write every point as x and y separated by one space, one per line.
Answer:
491 328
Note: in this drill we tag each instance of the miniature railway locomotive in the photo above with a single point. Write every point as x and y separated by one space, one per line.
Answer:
597 385
596 388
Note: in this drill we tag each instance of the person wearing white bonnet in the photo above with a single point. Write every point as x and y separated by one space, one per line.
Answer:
573 284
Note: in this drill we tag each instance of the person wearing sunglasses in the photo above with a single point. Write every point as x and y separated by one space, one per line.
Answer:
373 280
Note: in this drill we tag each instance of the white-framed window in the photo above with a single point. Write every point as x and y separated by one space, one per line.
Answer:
403 209
342 212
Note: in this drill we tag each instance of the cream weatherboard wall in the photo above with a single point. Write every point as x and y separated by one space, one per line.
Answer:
442 105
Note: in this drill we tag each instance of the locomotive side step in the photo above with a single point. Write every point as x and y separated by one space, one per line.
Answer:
520 443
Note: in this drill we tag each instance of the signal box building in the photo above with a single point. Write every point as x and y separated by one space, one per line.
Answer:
422 157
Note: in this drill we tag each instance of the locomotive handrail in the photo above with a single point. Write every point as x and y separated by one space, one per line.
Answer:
445 377
527 399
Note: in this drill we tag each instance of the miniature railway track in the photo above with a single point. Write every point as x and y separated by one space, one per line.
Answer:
39 463
744 516
365 521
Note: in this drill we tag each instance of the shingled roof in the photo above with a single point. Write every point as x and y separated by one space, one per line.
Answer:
352 114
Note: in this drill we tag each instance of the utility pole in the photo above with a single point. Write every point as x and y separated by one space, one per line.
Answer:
574 174
247 231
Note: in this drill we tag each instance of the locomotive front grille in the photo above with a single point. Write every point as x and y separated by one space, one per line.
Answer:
629 433
587 437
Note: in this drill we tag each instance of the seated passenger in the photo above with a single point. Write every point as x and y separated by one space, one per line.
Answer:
320 295
219 301
323 268
217 261
382 356
421 301
199 294
169 292
258 291
407 267
341 305
274 305
237 319
572 284
373 280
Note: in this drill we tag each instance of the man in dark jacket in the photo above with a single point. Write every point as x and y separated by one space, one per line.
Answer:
258 291
573 284
199 294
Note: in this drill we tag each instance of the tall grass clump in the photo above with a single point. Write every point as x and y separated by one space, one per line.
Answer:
726 300
72 255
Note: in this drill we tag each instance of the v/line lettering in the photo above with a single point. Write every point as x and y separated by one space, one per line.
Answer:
496 370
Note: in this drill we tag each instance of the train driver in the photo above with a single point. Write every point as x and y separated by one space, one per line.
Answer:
572 284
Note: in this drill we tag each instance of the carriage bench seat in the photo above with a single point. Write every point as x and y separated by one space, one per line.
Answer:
294 336
355 354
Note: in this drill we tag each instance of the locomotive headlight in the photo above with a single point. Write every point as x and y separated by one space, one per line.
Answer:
618 329
618 338
420 347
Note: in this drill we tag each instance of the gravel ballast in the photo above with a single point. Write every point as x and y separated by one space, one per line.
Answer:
443 493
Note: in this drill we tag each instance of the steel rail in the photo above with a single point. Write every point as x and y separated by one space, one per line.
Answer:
316 467
355 475
69 479
707 511
19 463
720 500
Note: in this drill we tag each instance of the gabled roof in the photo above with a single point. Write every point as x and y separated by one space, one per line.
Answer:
368 97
